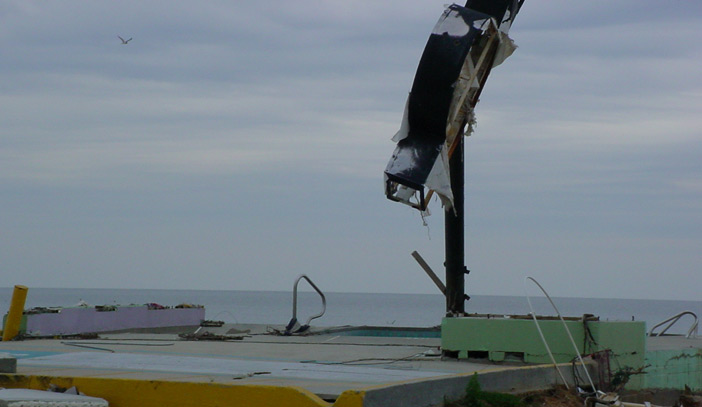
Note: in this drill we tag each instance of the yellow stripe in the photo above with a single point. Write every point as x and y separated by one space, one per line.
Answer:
350 398
156 393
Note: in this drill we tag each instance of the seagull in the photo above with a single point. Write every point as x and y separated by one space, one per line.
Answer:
124 42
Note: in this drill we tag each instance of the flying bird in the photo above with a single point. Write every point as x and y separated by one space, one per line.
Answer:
124 42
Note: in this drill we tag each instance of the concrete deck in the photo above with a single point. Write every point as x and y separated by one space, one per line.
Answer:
672 342
389 370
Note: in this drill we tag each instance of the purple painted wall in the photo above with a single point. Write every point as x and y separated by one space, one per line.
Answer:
88 319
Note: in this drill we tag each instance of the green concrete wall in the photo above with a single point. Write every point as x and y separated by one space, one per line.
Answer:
673 369
627 341
501 338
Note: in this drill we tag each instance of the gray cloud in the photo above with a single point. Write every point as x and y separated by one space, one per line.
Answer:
235 145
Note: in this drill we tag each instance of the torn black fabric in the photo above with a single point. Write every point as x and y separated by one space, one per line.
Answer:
431 95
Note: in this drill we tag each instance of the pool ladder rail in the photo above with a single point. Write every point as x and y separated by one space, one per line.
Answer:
294 326
691 333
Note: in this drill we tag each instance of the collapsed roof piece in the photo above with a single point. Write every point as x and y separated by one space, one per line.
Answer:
462 48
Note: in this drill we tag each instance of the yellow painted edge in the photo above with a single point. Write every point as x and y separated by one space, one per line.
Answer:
350 398
14 315
158 393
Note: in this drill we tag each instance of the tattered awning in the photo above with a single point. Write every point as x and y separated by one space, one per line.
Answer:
464 45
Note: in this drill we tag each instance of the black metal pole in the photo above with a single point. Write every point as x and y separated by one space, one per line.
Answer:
454 231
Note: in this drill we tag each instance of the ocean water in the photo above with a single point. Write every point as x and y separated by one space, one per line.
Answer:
410 310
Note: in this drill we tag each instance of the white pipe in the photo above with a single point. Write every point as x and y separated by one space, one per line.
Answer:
577 352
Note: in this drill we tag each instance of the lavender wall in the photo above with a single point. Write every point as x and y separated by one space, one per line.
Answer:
81 320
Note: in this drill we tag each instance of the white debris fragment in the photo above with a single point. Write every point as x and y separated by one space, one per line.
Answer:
39 398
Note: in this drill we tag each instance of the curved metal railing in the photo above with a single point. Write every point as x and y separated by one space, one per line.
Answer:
294 326
691 333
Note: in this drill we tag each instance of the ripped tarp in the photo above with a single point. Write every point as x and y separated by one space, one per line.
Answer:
463 46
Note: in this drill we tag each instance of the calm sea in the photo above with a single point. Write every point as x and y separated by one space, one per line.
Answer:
417 310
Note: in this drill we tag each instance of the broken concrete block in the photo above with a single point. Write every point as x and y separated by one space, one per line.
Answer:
8 363
39 398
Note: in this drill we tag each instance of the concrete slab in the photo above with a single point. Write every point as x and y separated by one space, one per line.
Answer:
236 369
348 370
324 364
37 398
670 342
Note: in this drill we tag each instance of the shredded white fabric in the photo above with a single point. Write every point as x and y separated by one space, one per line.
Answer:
505 48
439 179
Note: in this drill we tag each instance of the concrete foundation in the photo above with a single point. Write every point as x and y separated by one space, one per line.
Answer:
325 367
8 363
38 398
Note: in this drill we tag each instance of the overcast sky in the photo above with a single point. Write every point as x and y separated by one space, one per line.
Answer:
236 145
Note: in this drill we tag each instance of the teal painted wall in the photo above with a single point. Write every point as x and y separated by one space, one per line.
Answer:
673 369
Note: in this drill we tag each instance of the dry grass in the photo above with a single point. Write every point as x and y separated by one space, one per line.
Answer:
557 397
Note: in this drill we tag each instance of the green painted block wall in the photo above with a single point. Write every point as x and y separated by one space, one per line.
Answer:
627 341
514 336
503 336
673 369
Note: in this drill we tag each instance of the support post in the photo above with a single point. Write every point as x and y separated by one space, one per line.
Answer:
14 315
454 235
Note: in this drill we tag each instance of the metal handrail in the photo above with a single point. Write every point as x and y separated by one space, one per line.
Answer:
294 326
672 320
